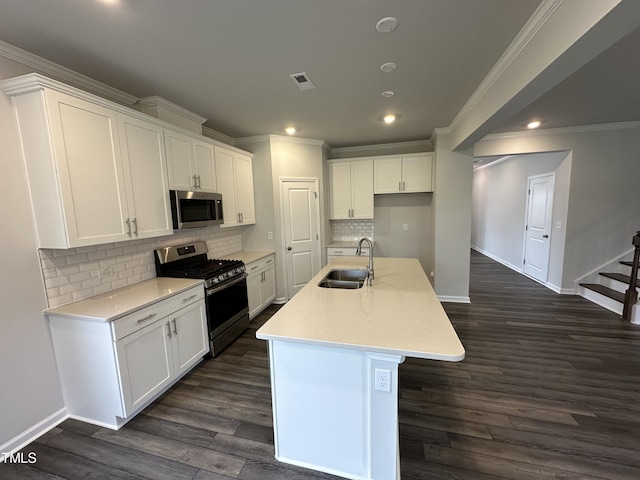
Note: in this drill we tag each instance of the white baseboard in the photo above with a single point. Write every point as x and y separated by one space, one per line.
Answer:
560 290
497 259
31 434
280 300
453 299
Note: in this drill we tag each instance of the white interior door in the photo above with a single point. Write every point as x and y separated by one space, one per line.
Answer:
301 232
538 229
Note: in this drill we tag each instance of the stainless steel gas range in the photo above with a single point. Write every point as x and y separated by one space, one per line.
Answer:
225 286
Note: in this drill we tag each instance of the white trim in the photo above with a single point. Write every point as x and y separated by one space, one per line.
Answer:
65 74
604 266
542 14
495 162
498 259
602 300
454 299
157 101
560 290
25 438
278 138
563 130
280 300
216 135
423 144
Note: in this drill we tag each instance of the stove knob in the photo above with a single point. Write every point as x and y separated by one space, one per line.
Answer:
215 280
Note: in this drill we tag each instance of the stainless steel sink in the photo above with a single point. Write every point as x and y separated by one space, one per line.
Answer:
349 278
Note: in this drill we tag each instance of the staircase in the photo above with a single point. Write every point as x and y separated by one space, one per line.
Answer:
616 287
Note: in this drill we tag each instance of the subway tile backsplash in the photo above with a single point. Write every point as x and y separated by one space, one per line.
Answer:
349 230
74 274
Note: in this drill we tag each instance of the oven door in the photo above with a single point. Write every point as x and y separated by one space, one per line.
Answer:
226 304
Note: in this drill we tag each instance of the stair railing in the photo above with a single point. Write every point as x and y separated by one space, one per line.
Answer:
631 295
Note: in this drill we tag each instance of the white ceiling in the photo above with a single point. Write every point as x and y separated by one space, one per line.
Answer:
230 61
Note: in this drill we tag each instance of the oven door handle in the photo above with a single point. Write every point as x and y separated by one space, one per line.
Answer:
211 291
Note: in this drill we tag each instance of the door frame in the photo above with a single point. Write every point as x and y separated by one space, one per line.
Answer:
283 246
526 222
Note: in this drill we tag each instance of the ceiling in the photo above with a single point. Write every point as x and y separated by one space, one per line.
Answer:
230 61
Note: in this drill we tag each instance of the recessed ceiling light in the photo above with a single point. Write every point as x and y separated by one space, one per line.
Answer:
388 93
387 24
290 130
534 124
388 67
389 118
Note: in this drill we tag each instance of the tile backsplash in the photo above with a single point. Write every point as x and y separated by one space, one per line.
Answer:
349 230
74 274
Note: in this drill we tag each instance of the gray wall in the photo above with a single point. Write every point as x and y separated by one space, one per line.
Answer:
500 203
603 212
30 391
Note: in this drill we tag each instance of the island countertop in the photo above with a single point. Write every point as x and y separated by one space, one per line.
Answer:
399 314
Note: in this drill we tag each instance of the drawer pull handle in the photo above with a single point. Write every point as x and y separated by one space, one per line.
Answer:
269 261
168 330
175 327
254 267
338 251
148 317
189 298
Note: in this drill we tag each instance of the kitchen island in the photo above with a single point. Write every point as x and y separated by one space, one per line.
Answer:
334 357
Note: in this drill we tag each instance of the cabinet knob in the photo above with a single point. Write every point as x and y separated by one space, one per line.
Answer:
288 248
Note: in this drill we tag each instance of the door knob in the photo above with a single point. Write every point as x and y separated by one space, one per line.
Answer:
288 248
545 236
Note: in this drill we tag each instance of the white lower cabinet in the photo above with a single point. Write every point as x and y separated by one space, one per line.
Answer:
109 371
261 285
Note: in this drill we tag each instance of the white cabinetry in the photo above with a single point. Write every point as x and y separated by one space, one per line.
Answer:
261 285
351 189
190 162
350 251
403 174
235 182
95 174
109 371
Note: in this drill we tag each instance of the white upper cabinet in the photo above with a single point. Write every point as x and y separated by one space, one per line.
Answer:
95 174
351 189
190 162
404 174
235 182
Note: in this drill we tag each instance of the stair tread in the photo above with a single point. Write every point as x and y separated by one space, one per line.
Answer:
619 277
606 291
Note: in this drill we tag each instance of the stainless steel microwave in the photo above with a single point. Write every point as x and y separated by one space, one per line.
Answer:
195 209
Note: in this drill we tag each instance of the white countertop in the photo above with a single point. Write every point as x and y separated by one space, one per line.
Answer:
346 243
109 306
248 256
399 314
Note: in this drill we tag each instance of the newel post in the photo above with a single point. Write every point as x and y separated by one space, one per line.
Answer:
631 296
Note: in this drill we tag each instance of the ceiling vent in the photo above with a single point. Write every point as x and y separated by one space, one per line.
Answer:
303 81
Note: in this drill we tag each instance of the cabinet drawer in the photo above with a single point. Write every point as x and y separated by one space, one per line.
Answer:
259 264
135 321
345 251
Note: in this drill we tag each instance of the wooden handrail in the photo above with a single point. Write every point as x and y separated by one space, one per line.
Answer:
631 295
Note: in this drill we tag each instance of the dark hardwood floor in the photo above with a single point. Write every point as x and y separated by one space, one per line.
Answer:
549 389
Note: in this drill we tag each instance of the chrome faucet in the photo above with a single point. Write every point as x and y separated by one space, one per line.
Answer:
370 276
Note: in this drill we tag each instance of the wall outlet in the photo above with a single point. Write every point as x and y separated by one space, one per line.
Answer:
269 235
383 380
405 227
105 272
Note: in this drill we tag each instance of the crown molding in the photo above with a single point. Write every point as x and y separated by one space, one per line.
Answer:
533 25
278 138
65 75
216 135
426 145
563 130
156 101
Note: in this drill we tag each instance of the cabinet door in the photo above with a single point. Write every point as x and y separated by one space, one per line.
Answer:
362 188
226 186
90 169
416 172
340 190
146 180
179 161
387 175
204 166
189 334
254 293
244 189
268 285
145 364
